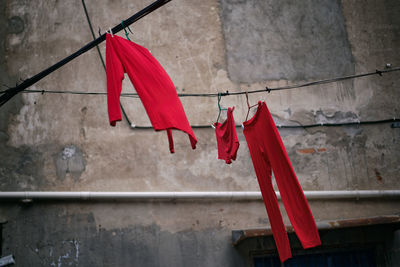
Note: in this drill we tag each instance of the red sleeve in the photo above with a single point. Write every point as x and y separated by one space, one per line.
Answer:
115 75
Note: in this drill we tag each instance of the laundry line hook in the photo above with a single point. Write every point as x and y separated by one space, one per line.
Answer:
126 32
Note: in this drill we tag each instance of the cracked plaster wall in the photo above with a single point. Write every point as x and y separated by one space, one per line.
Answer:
193 41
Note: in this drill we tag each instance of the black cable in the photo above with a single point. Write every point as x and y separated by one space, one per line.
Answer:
101 58
227 93
63 92
267 89
10 93
300 126
209 126
73 93
339 124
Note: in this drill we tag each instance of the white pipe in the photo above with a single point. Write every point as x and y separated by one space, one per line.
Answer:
223 195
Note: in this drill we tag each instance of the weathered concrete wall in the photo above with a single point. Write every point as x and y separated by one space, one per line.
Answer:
63 142
65 237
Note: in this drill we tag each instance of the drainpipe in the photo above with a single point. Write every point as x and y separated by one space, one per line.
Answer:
223 195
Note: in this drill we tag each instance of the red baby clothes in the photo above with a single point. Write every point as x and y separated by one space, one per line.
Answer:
227 141
152 84
268 152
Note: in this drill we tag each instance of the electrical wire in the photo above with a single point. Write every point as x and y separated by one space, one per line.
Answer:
355 123
295 86
227 93
73 93
256 91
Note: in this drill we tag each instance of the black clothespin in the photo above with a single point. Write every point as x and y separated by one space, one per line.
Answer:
226 93
267 89
379 72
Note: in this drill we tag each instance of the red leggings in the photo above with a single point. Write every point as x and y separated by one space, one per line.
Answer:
268 152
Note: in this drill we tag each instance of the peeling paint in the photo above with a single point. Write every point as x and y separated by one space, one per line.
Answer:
70 161
333 116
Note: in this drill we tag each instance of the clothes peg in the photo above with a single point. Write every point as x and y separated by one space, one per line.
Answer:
111 32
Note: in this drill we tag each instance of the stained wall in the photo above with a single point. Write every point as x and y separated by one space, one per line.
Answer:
63 142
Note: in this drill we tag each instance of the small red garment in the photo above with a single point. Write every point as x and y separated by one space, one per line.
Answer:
268 153
227 141
152 83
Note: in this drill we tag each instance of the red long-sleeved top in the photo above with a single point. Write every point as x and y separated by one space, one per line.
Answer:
152 83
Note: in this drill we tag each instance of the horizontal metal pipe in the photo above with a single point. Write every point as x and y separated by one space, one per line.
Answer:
223 195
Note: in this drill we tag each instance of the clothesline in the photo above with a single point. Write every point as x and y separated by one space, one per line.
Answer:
302 126
227 93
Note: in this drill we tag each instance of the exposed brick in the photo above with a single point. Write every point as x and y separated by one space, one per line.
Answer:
306 151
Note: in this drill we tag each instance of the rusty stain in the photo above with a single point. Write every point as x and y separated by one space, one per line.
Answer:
378 176
365 221
306 151
257 232
321 149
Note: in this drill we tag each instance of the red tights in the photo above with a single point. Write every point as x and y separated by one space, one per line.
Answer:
268 153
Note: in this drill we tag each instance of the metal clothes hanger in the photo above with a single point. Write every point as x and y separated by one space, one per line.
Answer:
219 106
248 105
219 109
